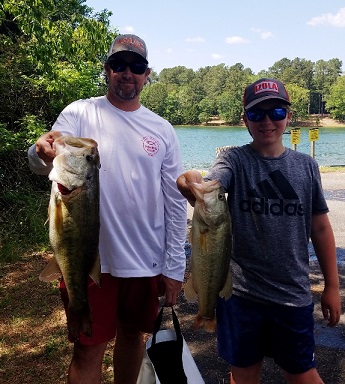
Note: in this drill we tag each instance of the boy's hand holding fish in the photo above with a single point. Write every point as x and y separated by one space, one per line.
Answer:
184 183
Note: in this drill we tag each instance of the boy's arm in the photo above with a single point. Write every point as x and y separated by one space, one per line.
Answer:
324 245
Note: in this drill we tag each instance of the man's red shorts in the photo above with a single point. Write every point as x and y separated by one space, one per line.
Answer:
132 300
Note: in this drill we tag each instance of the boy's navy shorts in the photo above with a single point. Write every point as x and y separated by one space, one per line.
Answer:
248 330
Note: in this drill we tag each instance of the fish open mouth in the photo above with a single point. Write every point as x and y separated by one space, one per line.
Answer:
63 190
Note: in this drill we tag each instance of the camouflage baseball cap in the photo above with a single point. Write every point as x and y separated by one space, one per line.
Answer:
129 43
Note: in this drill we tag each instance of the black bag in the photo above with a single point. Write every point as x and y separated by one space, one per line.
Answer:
167 359
166 356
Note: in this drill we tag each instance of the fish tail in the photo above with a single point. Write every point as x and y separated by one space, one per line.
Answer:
208 324
226 292
79 321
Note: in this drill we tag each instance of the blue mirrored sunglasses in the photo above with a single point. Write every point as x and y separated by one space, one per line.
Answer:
136 67
275 114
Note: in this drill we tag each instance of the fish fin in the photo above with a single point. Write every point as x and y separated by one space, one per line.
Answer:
51 272
95 273
189 291
226 291
209 325
79 321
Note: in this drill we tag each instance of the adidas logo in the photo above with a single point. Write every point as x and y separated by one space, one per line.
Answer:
275 188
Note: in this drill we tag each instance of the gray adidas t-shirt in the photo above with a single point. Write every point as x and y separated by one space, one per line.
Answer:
271 201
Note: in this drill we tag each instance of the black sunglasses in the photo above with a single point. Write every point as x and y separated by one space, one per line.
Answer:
275 114
136 67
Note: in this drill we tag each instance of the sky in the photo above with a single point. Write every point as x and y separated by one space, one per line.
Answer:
199 33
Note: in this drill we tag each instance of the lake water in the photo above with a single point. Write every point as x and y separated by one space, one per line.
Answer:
198 144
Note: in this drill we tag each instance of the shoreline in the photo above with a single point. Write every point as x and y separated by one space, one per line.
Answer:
315 121
290 126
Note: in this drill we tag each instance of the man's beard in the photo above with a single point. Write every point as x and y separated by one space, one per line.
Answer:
125 95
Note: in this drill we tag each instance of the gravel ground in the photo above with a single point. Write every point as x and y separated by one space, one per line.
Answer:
330 349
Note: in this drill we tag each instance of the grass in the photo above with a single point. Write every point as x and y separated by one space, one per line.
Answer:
332 169
29 316
33 344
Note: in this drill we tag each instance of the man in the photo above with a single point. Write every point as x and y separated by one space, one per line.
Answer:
277 205
143 216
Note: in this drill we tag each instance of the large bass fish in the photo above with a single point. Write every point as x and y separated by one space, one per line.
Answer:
74 225
211 241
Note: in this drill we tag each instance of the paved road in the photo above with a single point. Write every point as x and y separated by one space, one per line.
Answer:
334 188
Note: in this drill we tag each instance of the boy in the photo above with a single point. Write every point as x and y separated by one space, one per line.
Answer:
276 203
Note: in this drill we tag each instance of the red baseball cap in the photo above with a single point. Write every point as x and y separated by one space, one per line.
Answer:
264 89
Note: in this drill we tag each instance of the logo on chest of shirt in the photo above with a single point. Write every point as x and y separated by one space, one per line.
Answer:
273 196
150 145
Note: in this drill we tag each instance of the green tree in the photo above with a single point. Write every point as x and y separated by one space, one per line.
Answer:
230 104
214 80
326 74
188 106
230 107
297 71
51 52
335 100
207 107
172 112
278 69
299 98
177 75
154 97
